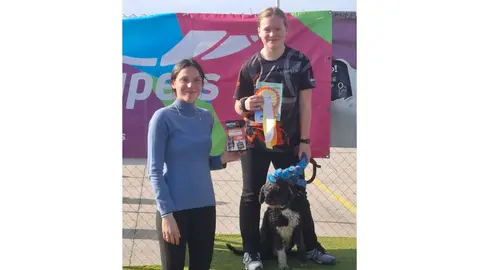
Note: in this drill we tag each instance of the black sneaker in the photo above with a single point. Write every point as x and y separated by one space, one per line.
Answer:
252 261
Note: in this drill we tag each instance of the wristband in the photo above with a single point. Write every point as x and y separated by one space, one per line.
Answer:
242 104
306 141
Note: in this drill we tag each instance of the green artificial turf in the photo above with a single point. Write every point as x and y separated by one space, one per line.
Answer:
343 248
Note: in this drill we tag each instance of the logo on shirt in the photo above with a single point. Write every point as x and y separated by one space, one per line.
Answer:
291 70
295 68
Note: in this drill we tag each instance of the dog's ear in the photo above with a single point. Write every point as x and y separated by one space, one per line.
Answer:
261 196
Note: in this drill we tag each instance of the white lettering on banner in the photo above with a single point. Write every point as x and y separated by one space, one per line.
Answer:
135 94
210 87
123 136
197 42
334 68
162 85
142 62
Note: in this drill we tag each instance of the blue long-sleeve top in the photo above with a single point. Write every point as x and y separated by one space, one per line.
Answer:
179 161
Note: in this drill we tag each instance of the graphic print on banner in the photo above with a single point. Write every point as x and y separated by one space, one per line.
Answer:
220 43
343 127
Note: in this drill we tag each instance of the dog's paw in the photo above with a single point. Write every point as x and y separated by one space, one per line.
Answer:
303 264
283 267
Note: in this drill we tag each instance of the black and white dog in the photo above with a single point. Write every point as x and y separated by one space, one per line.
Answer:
282 219
281 228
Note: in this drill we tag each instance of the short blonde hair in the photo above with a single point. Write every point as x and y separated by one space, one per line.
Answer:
272 11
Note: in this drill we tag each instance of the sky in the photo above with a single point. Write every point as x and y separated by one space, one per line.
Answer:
139 7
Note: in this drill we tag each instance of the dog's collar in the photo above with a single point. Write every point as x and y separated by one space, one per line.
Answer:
293 180
291 174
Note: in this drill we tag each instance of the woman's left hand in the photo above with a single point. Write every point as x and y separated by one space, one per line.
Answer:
304 148
231 156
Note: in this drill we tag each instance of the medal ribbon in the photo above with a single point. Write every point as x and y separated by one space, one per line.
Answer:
270 106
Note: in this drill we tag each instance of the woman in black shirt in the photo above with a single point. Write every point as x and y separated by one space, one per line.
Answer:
284 68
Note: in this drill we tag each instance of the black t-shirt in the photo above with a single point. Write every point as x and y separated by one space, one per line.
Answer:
293 69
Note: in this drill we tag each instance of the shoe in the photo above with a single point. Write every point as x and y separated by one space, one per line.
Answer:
252 261
320 257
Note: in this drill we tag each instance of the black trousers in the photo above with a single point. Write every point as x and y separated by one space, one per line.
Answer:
255 166
197 230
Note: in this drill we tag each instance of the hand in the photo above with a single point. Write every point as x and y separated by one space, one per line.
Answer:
304 148
170 230
254 103
231 156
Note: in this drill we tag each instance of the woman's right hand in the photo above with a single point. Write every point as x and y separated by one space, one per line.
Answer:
170 230
254 103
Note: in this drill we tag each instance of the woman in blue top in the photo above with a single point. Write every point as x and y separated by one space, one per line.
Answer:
179 164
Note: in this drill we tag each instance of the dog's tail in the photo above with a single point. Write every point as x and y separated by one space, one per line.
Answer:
235 250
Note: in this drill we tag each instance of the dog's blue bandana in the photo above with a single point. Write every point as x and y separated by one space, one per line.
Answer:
291 174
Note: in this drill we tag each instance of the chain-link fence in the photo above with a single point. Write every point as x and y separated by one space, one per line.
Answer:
332 197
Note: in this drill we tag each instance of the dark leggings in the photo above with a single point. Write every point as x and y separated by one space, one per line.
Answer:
255 166
197 230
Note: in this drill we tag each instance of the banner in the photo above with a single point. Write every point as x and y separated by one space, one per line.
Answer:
343 127
221 43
